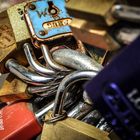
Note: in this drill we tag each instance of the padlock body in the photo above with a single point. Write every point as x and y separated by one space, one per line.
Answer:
18 122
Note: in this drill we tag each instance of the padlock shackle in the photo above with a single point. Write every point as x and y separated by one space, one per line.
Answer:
49 60
26 75
65 85
125 12
33 62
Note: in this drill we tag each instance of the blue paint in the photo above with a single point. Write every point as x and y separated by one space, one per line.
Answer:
37 23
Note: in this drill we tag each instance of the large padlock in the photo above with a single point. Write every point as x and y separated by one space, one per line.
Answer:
119 94
58 126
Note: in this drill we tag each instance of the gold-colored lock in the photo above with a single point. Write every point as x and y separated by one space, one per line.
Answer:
58 126
13 31
93 35
71 129
13 90
97 11
20 29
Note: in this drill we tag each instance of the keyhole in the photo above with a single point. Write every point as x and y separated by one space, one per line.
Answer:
53 10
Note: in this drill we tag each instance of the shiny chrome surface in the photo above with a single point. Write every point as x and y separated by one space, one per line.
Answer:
26 75
75 60
40 89
44 110
65 84
80 110
49 60
103 125
86 98
92 118
33 61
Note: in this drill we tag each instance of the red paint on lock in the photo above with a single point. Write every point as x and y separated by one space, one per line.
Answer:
18 122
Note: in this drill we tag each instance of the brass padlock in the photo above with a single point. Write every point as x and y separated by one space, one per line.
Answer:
93 35
13 90
97 11
11 34
58 126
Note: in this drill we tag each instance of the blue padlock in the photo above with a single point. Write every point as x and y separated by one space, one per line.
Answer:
47 20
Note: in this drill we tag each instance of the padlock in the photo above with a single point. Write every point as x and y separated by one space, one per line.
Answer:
19 122
13 90
19 33
92 10
93 35
118 92
103 12
69 129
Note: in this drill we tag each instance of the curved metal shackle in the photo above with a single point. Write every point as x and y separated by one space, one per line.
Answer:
76 60
66 84
26 75
49 60
33 61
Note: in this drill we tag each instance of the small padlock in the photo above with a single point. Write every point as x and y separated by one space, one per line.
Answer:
19 122
69 129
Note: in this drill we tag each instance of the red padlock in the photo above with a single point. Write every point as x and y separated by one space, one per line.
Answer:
18 122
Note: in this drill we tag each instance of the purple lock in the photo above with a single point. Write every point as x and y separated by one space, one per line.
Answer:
115 92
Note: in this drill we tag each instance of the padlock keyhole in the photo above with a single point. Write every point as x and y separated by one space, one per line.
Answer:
53 10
